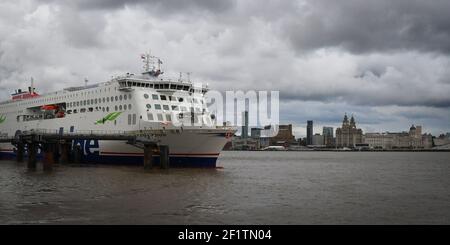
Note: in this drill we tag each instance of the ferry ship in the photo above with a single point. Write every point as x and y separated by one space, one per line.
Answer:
146 103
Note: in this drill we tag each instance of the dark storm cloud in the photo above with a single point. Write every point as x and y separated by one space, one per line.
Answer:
363 26
166 6
325 57
369 99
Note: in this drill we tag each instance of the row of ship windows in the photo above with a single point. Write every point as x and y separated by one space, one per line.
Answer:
173 98
174 108
168 118
50 99
162 86
104 109
99 100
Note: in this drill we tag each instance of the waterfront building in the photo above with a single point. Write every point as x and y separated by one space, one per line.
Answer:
427 141
318 140
379 140
442 140
245 144
328 136
414 139
309 132
255 133
284 136
244 132
348 135
264 142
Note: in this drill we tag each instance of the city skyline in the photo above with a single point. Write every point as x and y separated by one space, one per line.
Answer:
385 61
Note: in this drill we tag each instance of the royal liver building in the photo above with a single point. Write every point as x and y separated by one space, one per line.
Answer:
348 135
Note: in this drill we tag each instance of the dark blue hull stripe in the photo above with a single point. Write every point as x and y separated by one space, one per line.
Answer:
175 161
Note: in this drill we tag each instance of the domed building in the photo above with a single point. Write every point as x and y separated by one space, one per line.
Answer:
348 135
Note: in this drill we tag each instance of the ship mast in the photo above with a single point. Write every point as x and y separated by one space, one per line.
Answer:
149 65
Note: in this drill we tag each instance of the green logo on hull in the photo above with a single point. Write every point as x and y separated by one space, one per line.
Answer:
2 119
110 117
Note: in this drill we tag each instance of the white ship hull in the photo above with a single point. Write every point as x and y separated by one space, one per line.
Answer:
121 105
190 148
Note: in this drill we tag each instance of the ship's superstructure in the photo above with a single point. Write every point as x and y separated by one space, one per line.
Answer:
145 103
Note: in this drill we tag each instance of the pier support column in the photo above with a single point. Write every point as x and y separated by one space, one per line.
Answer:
32 155
20 151
77 154
56 152
148 156
65 152
49 156
164 156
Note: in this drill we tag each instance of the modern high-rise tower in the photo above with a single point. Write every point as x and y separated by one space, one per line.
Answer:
309 132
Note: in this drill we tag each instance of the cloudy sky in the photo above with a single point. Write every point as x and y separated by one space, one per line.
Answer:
386 62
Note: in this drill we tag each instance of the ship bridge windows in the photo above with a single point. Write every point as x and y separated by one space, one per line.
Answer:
163 97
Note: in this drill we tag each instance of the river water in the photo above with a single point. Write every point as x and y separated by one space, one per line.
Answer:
251 188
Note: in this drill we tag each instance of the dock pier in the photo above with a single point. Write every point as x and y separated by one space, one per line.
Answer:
57 146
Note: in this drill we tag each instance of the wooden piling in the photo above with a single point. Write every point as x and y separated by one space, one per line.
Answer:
164 156
20 151
49 156
77 154
65 152
56 152
148 156
32 155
